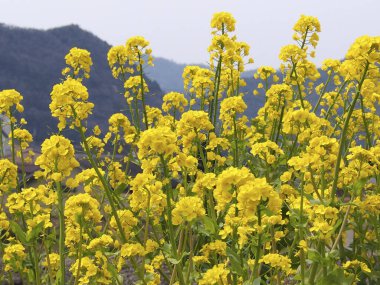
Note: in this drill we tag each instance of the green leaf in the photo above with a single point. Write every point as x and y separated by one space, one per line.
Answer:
174 261
209 226
17 230
120 189
257 281
336 277
235 261
178 260
314 255
35 232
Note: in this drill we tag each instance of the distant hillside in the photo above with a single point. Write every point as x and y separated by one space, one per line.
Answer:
168 74
31 62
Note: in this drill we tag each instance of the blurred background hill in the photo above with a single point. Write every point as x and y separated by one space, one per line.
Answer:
31 62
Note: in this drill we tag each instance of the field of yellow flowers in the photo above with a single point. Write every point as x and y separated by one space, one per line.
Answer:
291 196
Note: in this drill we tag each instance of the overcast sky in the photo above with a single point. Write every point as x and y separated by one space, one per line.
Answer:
180 29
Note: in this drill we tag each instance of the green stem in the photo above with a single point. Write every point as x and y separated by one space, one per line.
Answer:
368 135
80 252
300 231
322 92
336 97
256 271
13 137
344 132
236 154
102 180
61 245
191 246
142 92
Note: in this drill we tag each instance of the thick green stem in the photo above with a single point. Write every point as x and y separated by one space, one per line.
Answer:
61 245
79 252
322 92
236 154
143 93
344 133
103 181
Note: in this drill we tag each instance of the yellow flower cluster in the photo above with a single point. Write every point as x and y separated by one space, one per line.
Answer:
13 257
307 29
133 85
35 204
363 54
119 121
147 196
57 159
69 103
206 195
23 136
174 101
223 21
92 269
216 275
187 209
356 264
81 216
192 128
160 141
122 59
8 174
79 63
8 99
267 151
279 262
136 47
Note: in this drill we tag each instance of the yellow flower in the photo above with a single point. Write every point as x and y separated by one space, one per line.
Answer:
117 57
13 257
132 249
187 209
227 183
175 101
365 49
88 270
268 151
100 242
8 99
136 47
147 195
57 158
278 261
8 175
356 264
156 142
24 137
216 275
192 128
52 261
307 28
69 103
231 106
133 85
128 221
119 122
82 205
219 247
223 22
79 62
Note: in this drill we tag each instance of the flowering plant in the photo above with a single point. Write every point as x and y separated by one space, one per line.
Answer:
290 196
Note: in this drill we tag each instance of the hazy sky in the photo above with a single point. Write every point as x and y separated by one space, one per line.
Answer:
180 30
